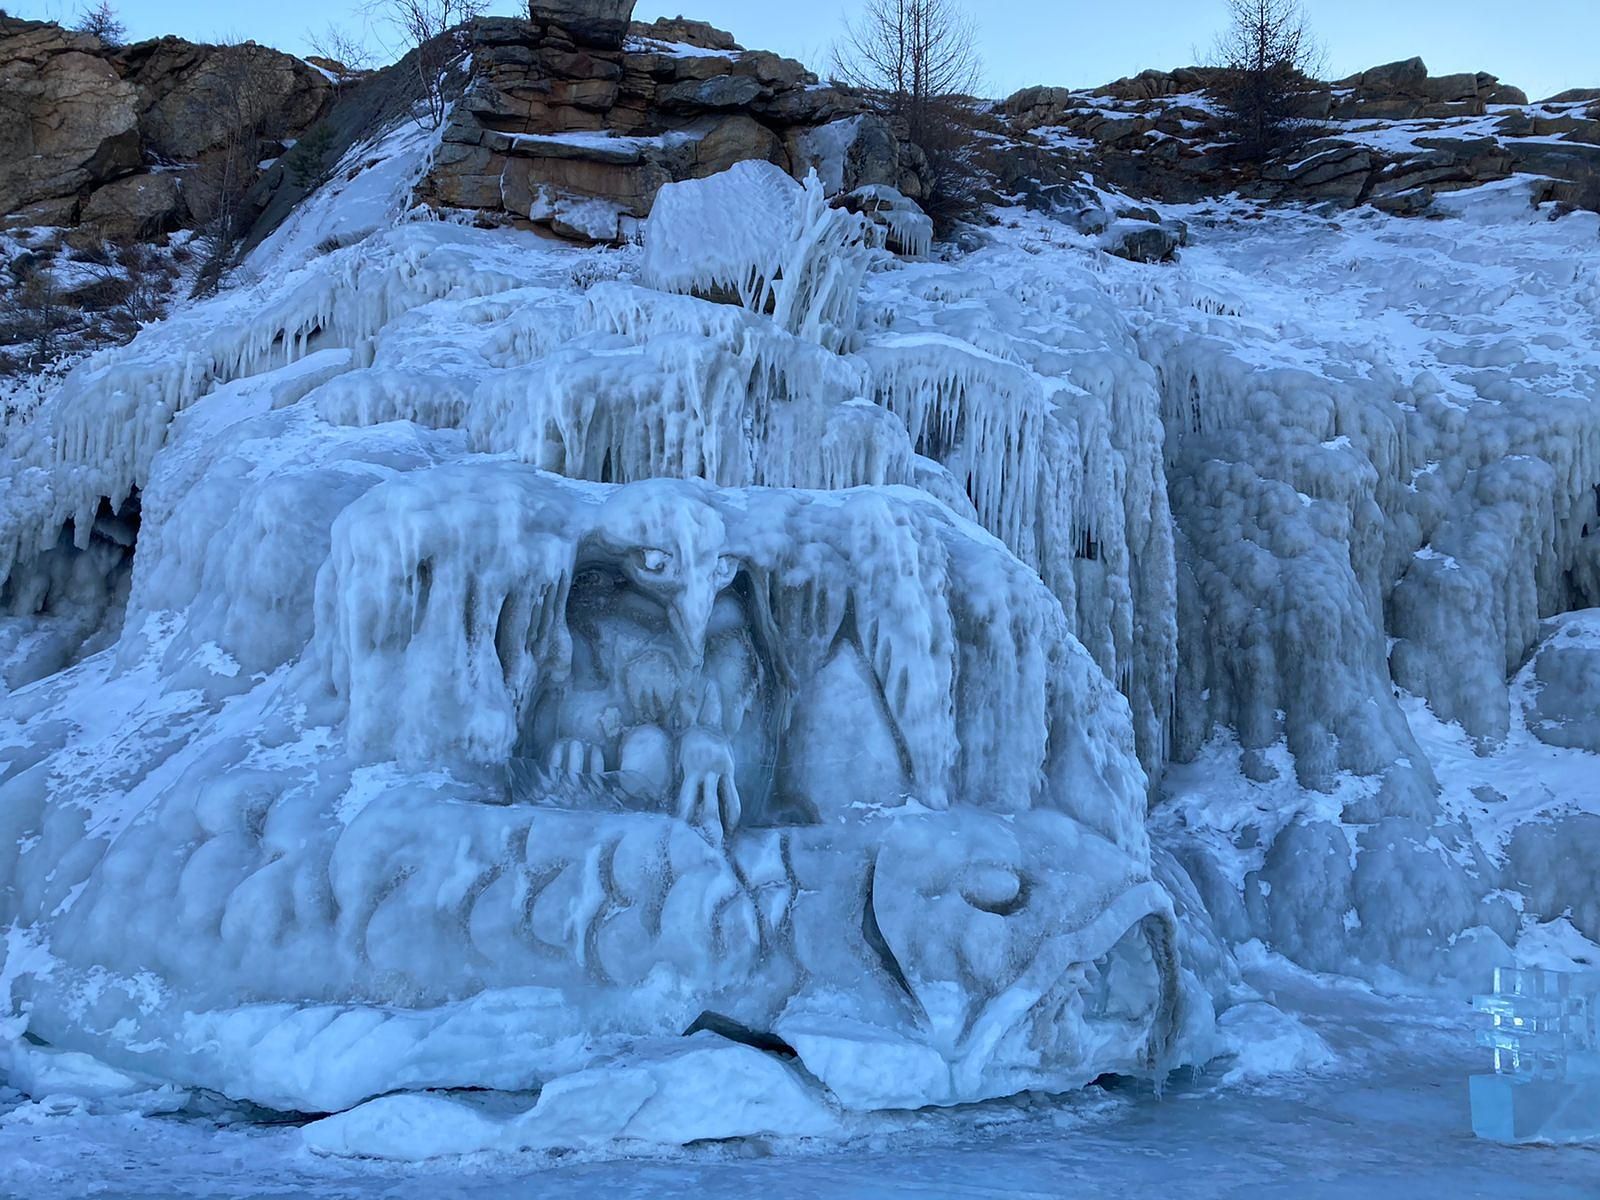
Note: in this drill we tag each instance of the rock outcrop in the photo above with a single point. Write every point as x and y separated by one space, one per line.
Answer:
1392 136
1404 91
68 119
93 133
573 119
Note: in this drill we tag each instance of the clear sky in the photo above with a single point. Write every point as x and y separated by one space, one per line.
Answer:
1544 47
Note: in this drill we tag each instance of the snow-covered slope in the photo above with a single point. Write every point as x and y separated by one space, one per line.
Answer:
457 660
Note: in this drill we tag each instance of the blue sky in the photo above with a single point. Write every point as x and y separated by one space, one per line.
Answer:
1545 48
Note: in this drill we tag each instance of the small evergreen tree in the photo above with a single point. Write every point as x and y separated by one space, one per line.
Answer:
101 20
307 164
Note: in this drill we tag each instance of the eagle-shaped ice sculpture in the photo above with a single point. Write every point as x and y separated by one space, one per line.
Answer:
418 767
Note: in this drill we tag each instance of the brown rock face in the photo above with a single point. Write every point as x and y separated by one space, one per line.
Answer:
682 31
564 120
192 97
81 124
67 119
135 206
1404 91
599 23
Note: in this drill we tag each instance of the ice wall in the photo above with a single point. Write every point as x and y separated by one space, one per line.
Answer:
1359 515
779 644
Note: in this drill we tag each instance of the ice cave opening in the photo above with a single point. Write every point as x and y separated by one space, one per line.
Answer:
67 601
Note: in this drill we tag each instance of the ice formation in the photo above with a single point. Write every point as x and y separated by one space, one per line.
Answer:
427 668
577 692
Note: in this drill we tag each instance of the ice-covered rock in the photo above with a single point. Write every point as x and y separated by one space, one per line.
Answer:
436 669
754 235
512 681
1566 677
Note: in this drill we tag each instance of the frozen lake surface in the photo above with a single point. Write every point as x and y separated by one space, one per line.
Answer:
1390 1119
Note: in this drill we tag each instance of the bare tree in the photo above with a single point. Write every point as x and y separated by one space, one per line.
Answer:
337 45
919 59
239 91
429 35
101 20
1269 54
916 54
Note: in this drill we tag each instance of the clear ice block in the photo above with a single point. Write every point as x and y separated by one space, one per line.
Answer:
1544 1032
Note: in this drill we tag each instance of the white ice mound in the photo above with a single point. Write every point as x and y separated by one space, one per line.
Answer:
667 1094
753 234
1562 709
750 774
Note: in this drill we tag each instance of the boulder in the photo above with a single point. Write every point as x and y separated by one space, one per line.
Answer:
1450 89
736 139
1326 164
60 210
1143 241
1410 203
848 154
1492 91
722 91
599 23
134 207
1574 129
1035 106
683 32
1406 77
1574 162
1157 85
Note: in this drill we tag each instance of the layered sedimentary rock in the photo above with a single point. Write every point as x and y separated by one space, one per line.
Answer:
575 123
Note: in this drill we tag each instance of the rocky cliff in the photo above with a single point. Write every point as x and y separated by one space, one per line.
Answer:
107 136
1392 136
573 120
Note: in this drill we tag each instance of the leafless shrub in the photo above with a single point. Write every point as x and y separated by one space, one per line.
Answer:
336 44
34 314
